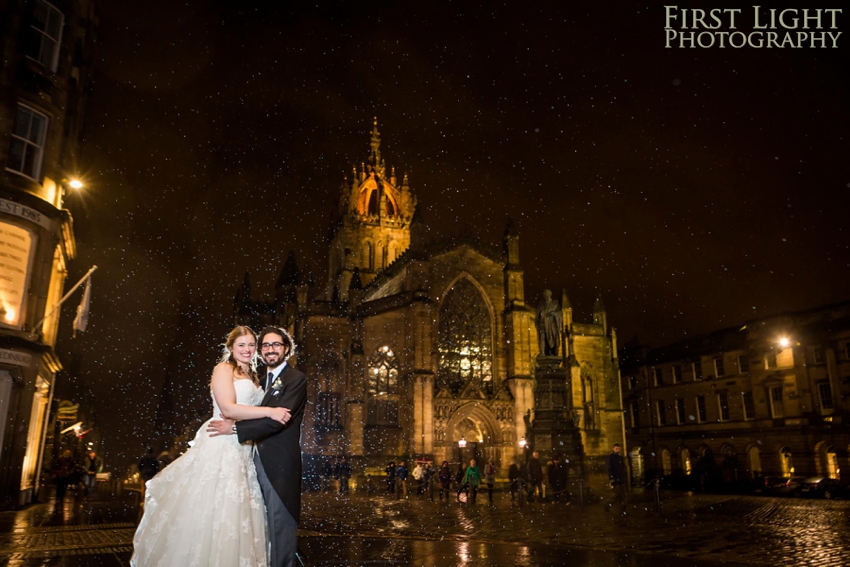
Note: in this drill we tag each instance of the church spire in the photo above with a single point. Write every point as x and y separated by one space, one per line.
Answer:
375 145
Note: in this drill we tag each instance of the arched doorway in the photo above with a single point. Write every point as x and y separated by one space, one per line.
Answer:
473 433
729 464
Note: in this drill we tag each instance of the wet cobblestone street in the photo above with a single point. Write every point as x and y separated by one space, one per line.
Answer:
695 530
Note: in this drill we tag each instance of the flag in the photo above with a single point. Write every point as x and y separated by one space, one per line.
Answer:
82 318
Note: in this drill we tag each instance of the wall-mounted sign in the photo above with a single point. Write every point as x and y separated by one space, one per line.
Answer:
16 246
24 212
15 358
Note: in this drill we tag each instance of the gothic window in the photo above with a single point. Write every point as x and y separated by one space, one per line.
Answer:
328 415
383 388
465 340
368 257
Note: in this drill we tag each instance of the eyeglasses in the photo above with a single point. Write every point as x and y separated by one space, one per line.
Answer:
275 345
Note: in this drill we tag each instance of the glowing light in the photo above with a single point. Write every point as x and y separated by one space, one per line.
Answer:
76 184
462 442
523 442
10 314
784 342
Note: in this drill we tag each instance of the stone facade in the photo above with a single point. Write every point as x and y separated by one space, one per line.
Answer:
412 346
47 53
765 398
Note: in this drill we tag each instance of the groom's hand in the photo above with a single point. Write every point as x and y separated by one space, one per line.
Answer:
221 426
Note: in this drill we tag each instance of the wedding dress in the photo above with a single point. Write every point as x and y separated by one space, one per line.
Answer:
205 509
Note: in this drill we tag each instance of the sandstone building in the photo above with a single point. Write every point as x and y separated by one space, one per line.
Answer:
413 345
765 398
47 50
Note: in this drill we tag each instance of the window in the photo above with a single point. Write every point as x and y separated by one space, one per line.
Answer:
634 414
657 377
818 355
45 33
723 405
701 416
743 363
696 368
770 359
775 395
681 416
676 371
718 367
749 405
383 388
328 415
465 339
661 412
825 395
27 145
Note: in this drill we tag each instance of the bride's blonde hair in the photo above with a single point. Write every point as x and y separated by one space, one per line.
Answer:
227 353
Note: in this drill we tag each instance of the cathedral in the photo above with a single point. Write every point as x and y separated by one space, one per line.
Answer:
427 348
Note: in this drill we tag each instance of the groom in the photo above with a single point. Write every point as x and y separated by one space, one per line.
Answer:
278 454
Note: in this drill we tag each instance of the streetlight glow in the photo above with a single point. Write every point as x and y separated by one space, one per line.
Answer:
784 342
523 442
76 184
462 442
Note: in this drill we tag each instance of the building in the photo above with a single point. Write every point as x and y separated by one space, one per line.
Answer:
765 398
413 345
47 55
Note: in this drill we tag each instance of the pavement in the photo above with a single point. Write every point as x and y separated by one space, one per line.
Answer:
690 530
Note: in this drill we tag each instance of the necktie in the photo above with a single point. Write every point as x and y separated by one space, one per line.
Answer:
269 380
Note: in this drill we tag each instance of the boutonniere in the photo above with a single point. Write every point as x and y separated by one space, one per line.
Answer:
276 386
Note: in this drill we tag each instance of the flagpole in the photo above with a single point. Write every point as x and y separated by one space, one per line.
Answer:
67 295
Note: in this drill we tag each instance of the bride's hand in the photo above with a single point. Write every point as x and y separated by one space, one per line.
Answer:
280 414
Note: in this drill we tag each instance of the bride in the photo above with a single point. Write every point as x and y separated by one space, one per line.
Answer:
206 509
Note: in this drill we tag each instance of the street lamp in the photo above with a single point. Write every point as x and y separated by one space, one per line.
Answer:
784 342
76 184
523 443
462 443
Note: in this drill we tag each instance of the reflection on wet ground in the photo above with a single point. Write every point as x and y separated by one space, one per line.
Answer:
694 530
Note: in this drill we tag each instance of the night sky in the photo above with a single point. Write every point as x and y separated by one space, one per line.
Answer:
694 189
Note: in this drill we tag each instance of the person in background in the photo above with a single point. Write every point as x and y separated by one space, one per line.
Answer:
64 471
401 479
472 478
490 479
444 476
617 476
418 476
93 465
514 476
390 470
343 473
535 476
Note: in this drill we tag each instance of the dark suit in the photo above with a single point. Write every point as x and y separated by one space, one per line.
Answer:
279 467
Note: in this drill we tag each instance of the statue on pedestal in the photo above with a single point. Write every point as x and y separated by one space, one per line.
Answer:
550 321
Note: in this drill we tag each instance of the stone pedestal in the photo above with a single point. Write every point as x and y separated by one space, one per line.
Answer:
552 431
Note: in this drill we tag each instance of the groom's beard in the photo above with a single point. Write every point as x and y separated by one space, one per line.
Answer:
272 365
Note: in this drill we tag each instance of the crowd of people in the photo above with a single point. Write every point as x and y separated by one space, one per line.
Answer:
81 473
467 479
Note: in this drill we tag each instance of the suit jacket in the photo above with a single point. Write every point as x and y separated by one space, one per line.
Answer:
279 445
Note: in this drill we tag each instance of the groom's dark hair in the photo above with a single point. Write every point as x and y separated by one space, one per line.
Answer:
287 340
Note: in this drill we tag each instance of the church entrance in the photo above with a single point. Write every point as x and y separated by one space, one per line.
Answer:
473 435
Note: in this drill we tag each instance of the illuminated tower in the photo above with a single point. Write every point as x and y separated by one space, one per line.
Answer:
372 222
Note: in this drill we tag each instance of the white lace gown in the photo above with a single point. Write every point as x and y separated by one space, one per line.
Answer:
206 509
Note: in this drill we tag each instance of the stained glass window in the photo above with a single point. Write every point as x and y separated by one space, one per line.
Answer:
465 339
